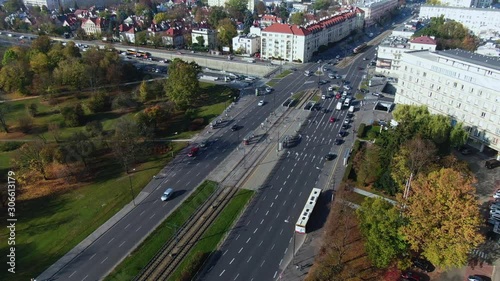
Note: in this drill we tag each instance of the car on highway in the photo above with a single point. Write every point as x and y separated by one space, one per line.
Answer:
338 95
322 82
332 119
205 143
329 156
235 128
167 194
338 141
269 89
376 94
261 103
194 151
331 75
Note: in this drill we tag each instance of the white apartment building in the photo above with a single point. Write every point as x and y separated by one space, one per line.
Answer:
209 37
297 43
489 49
390 50
484 23
54 4
50 4
246 44
457 83
250 4
467 3
376 9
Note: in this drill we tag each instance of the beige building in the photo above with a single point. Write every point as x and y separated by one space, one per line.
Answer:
376 9
93 26
456 83
298 43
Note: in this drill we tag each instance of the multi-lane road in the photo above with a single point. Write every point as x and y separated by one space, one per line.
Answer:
258 246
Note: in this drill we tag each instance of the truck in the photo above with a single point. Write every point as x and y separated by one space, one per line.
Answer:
339 106
209 78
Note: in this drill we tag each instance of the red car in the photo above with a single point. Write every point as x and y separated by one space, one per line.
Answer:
411 276
332 119
193 151
337 96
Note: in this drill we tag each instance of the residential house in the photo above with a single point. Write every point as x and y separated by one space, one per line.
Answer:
93 26
267 20
173 37
209 37
127 33
246 44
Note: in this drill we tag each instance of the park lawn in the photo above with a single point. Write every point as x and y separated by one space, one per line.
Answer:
140 257
48 227
210 240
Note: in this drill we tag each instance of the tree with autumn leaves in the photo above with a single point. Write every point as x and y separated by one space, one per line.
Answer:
443 217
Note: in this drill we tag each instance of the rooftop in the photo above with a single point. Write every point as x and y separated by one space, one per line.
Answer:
395 42
472 58
424 40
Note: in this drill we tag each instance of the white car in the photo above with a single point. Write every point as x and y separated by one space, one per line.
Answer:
497 194
261 103
269 89
167 194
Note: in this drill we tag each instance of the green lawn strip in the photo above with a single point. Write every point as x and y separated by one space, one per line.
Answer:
213 236
298 95
272 82
283 74
316 98
355 198
140 257
49 227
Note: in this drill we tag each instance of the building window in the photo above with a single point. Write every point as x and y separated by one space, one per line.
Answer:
430 95
454 84
483 114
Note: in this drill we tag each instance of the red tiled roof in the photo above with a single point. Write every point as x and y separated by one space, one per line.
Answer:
287 29
329 22
424 40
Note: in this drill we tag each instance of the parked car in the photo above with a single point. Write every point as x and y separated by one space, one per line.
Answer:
412 276
338 141
423 264
342 134
475 278
492 163
323 82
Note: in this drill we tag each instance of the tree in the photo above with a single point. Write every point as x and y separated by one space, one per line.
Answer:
155 114
182 84
73 115
200 40
25 124
32 109
99 102
443 217
72 73
9 56
55 130
238 5
379 223
144 93
15 77
297 18
94 128
458 136
161 17
437 128
79 148
4 110
321 4
31 159
367 165
127 143
216 14
41 44
12 6
414 156
39 63
261 8
226 32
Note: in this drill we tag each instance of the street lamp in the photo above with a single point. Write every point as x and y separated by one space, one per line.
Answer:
131 189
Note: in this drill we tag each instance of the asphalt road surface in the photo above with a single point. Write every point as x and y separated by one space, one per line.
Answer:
256 248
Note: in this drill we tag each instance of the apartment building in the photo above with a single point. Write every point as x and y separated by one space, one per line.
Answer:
457 83
467 3
390 50
246 44
375 10
484 23
297 43
209 37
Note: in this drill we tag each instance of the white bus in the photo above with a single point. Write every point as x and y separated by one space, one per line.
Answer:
301 224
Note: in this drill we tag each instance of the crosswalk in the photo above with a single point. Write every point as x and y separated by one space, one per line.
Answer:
479 254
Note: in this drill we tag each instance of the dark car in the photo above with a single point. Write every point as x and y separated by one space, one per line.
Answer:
412 276
423 264
329 156
338 141
492 163
322 82
345 127
235 128
342 134
464 150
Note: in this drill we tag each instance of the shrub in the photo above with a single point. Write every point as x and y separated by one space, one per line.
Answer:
73 115
372 134
361 130
25 124
10 145
99 102
32 109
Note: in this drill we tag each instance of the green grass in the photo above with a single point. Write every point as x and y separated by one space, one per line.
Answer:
298 96
359 96
136 261
215 233
316 98
272 82
284 74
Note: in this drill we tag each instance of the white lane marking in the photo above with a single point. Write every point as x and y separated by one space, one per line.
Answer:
127 226
275 273
262 263
288 176
286 250
236 276
92 256
231 261
152 216
276 196
281 231
225 252
104 260
240 250
273 246
248 240
271 205
261 242
85 277
72 274
261 221
270 228
237 237
121 244
249 259
284 202
138 228
111 240
284 183
280 262
222 272
255 230
267 213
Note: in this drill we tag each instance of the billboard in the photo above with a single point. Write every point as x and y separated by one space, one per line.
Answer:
384 63
225 49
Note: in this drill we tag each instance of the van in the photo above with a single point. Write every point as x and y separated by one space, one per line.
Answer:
492 163
167 194
351 108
